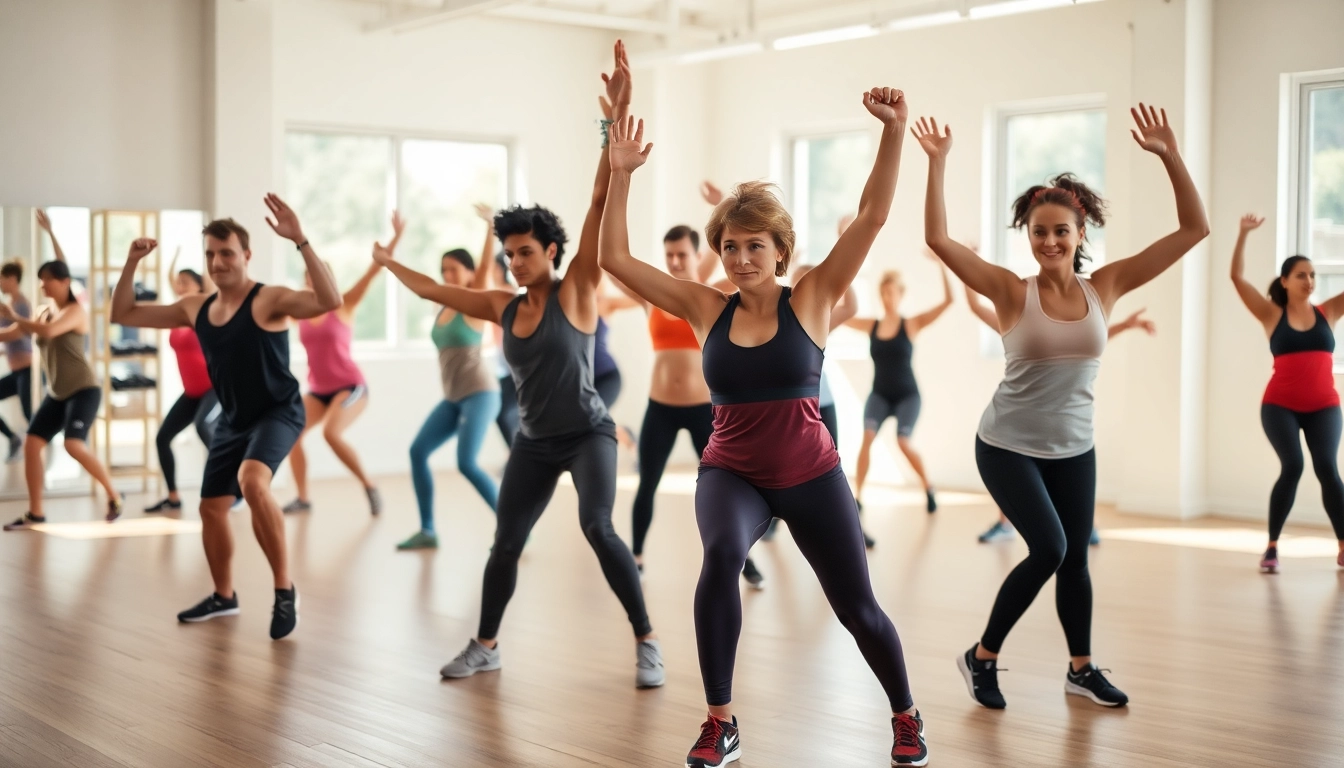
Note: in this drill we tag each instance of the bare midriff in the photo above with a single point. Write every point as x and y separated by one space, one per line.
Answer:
678 378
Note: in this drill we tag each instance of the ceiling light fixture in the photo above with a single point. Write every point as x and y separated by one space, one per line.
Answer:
823 37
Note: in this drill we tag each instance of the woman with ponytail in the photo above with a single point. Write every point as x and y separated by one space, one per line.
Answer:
1301 395
1034 447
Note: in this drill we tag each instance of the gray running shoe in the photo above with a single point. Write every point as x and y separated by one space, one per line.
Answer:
421 540
475 658
297 505
997 532
649 672
375 501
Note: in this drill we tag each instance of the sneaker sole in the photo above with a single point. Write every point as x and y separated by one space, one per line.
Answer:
647 686
917 763
209 616
1269 569
970 684
731 757
495 667
1078 690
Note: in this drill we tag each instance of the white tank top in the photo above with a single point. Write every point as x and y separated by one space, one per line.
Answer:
1043 407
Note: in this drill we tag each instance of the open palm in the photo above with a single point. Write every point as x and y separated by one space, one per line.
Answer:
618 82
886 104
934 142
1154 133
286 221
1251 221
627 145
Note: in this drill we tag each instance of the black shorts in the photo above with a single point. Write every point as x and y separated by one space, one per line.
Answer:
355 392
74 415
269 440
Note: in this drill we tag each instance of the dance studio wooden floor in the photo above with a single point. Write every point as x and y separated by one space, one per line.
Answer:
1223 665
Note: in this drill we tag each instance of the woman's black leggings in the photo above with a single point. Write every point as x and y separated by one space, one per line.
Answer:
203 411
1322 430
530 476
1050 502
507 420
824 520
18 384
656 438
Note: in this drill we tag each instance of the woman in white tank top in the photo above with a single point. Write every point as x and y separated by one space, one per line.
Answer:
1034 446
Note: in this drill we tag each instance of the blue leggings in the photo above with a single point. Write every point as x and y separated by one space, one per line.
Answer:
469 419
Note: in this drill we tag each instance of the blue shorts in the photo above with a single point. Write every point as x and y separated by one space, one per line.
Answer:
878 409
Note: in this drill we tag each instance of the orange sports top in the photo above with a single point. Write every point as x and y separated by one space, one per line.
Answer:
670 331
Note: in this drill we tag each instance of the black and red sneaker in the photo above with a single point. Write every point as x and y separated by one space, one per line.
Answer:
908 748
718 745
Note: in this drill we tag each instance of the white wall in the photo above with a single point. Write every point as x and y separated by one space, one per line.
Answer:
103 104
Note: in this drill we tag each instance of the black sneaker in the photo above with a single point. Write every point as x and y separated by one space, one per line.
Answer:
717 746
908 747
285 615
25 522
1089 682
211 607
753 576
982 679
164 506
931 504
114 507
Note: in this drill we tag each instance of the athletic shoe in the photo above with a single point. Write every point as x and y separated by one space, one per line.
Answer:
997 532
982 679
717 746
475 658
1270 562
285 614
868 541
754 577
649 672
908 747
375 501
211 607
930 504
297 505
25 522
15 450
1094 540
164 506
114 507
421 540
1091 683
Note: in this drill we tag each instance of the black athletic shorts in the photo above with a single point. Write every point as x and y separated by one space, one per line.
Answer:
74 415
354 393
269 440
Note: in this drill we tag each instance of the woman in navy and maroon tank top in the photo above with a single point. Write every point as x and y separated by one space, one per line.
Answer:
1301 395
770 454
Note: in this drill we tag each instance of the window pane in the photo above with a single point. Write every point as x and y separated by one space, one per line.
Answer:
1326 243
829 174
440 182
1039 147
341 188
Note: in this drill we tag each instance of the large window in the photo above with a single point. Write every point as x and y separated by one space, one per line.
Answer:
1035 144
1316 198
828 176
345 188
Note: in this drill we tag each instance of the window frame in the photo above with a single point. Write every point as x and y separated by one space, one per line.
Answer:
393 345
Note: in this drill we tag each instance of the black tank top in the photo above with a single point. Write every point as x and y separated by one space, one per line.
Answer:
785 367
1318 338
893 376
248 365
553 373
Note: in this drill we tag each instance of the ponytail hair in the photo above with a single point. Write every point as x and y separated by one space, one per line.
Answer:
1277 293
1070 192
57 270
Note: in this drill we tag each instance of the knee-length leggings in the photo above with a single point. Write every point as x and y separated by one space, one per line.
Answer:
1051 502
1322 429
824 520
657 436
530 476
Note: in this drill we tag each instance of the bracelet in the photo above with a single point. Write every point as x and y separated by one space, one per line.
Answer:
305 242
606 124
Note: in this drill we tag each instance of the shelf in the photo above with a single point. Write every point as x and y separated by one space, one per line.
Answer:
125 358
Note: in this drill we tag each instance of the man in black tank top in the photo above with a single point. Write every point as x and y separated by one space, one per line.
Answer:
243 330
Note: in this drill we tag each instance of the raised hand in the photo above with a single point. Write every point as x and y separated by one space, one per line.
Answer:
1136 321
626 140
286 223
618 82
486 213
141 247
887 105
382 254
1154 134
43 221
398 225
935 144
1251 221
712 194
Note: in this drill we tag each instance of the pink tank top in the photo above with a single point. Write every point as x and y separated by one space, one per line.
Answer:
330 366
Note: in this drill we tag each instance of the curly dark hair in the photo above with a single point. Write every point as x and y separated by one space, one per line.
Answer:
536 221
1070 192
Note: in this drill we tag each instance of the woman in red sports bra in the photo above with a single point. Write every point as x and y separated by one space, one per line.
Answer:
1301 395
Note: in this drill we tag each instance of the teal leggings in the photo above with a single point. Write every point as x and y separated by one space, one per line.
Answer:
469 419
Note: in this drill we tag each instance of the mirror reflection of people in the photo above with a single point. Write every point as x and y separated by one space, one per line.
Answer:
18 354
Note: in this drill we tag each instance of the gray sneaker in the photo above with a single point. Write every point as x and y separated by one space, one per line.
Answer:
375 501
297 505
476 658
649 672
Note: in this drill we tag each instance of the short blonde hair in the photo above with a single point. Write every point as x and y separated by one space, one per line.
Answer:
754 206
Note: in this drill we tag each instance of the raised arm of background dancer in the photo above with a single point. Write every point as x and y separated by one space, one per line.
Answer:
1259 304
709 260
325 296
691 301
67 319
351 299
622 287
172 272
825 285
982 310
1135 320
988 280
45 224
925 319
125 309
1116 279
846 309
482 305
480 279
584 268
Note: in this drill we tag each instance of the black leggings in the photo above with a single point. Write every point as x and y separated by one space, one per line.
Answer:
203 411
824 520
533 468
507 420
656 438
832 423
17 384
1322 430
1050 502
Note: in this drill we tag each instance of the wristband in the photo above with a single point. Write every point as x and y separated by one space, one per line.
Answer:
606 124
305 242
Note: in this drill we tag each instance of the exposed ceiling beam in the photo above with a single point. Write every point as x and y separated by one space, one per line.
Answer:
451 9
527 12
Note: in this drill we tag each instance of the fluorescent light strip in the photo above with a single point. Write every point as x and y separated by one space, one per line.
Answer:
825 36
922 21
720 52
1020 6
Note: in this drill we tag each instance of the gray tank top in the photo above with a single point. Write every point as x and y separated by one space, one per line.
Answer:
1043 407
553 373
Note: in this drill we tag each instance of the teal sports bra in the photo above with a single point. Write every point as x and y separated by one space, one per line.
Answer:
454 333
